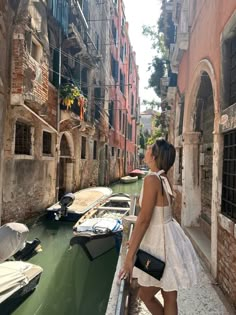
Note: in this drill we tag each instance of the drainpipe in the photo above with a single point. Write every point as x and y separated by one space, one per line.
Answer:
58 122
125 157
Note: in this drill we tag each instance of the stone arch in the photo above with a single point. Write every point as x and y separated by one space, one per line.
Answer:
70 142
204 66
194 159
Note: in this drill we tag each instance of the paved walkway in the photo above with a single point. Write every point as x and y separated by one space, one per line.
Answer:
204 299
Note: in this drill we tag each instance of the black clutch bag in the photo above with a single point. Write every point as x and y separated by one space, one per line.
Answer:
146 262
149 264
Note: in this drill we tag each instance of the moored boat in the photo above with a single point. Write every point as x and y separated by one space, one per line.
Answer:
144 169
100 229
72 206
138 173
17 278
129 179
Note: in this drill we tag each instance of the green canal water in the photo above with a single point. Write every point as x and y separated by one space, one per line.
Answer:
70 284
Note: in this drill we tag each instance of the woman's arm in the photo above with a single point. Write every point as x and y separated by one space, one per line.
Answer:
150 191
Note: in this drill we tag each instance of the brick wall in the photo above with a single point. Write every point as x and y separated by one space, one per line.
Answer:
29 77
51 111
227 262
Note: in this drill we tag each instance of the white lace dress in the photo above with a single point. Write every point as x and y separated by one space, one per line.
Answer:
182 264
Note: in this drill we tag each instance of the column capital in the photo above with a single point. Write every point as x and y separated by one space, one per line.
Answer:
192 137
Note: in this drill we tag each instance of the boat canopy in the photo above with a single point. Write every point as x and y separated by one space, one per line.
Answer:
100 225
13 237
15 275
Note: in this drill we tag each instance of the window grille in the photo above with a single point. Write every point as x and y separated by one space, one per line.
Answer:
112 151
47 143
95 150
83 148
118 153
228 206
22 139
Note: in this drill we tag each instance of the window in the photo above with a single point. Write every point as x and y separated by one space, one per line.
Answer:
95 150
114 68
112 151
132 104
122 82
106 152
114 33
83 148
111 114
118 153
120 119
130 132
232 74
122 53
47 143
33 46
97 98
228 203
97 41
23 140
124 124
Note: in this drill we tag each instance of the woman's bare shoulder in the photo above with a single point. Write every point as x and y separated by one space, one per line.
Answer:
152 181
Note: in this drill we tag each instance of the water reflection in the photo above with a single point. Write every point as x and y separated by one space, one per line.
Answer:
70 283
132 188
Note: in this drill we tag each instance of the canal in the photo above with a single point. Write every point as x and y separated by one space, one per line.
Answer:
70 284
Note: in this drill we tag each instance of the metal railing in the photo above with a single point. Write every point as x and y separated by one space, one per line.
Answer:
119 295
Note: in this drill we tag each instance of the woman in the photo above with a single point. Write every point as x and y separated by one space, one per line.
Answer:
157 233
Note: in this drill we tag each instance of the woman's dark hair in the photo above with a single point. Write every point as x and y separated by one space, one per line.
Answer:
164 154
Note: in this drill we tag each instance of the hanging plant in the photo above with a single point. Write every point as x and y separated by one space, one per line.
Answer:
68 94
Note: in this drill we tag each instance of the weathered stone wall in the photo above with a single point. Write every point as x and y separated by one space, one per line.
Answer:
6 21
206 169
29 181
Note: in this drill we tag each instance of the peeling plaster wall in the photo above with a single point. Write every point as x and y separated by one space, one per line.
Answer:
29 181
6 21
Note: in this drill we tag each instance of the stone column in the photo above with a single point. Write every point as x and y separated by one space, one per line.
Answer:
216 197
191 201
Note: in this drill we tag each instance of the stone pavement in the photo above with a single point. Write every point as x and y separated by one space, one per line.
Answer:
204 299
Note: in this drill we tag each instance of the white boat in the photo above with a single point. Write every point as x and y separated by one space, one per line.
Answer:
17 278
74 205
100 229
129 179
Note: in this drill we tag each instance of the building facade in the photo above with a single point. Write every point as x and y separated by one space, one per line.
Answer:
203 130
56 115
124 98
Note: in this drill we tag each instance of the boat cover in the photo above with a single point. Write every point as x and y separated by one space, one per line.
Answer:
15 275
12 239
100 225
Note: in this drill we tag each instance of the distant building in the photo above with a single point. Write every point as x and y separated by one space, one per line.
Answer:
69 101
147 120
